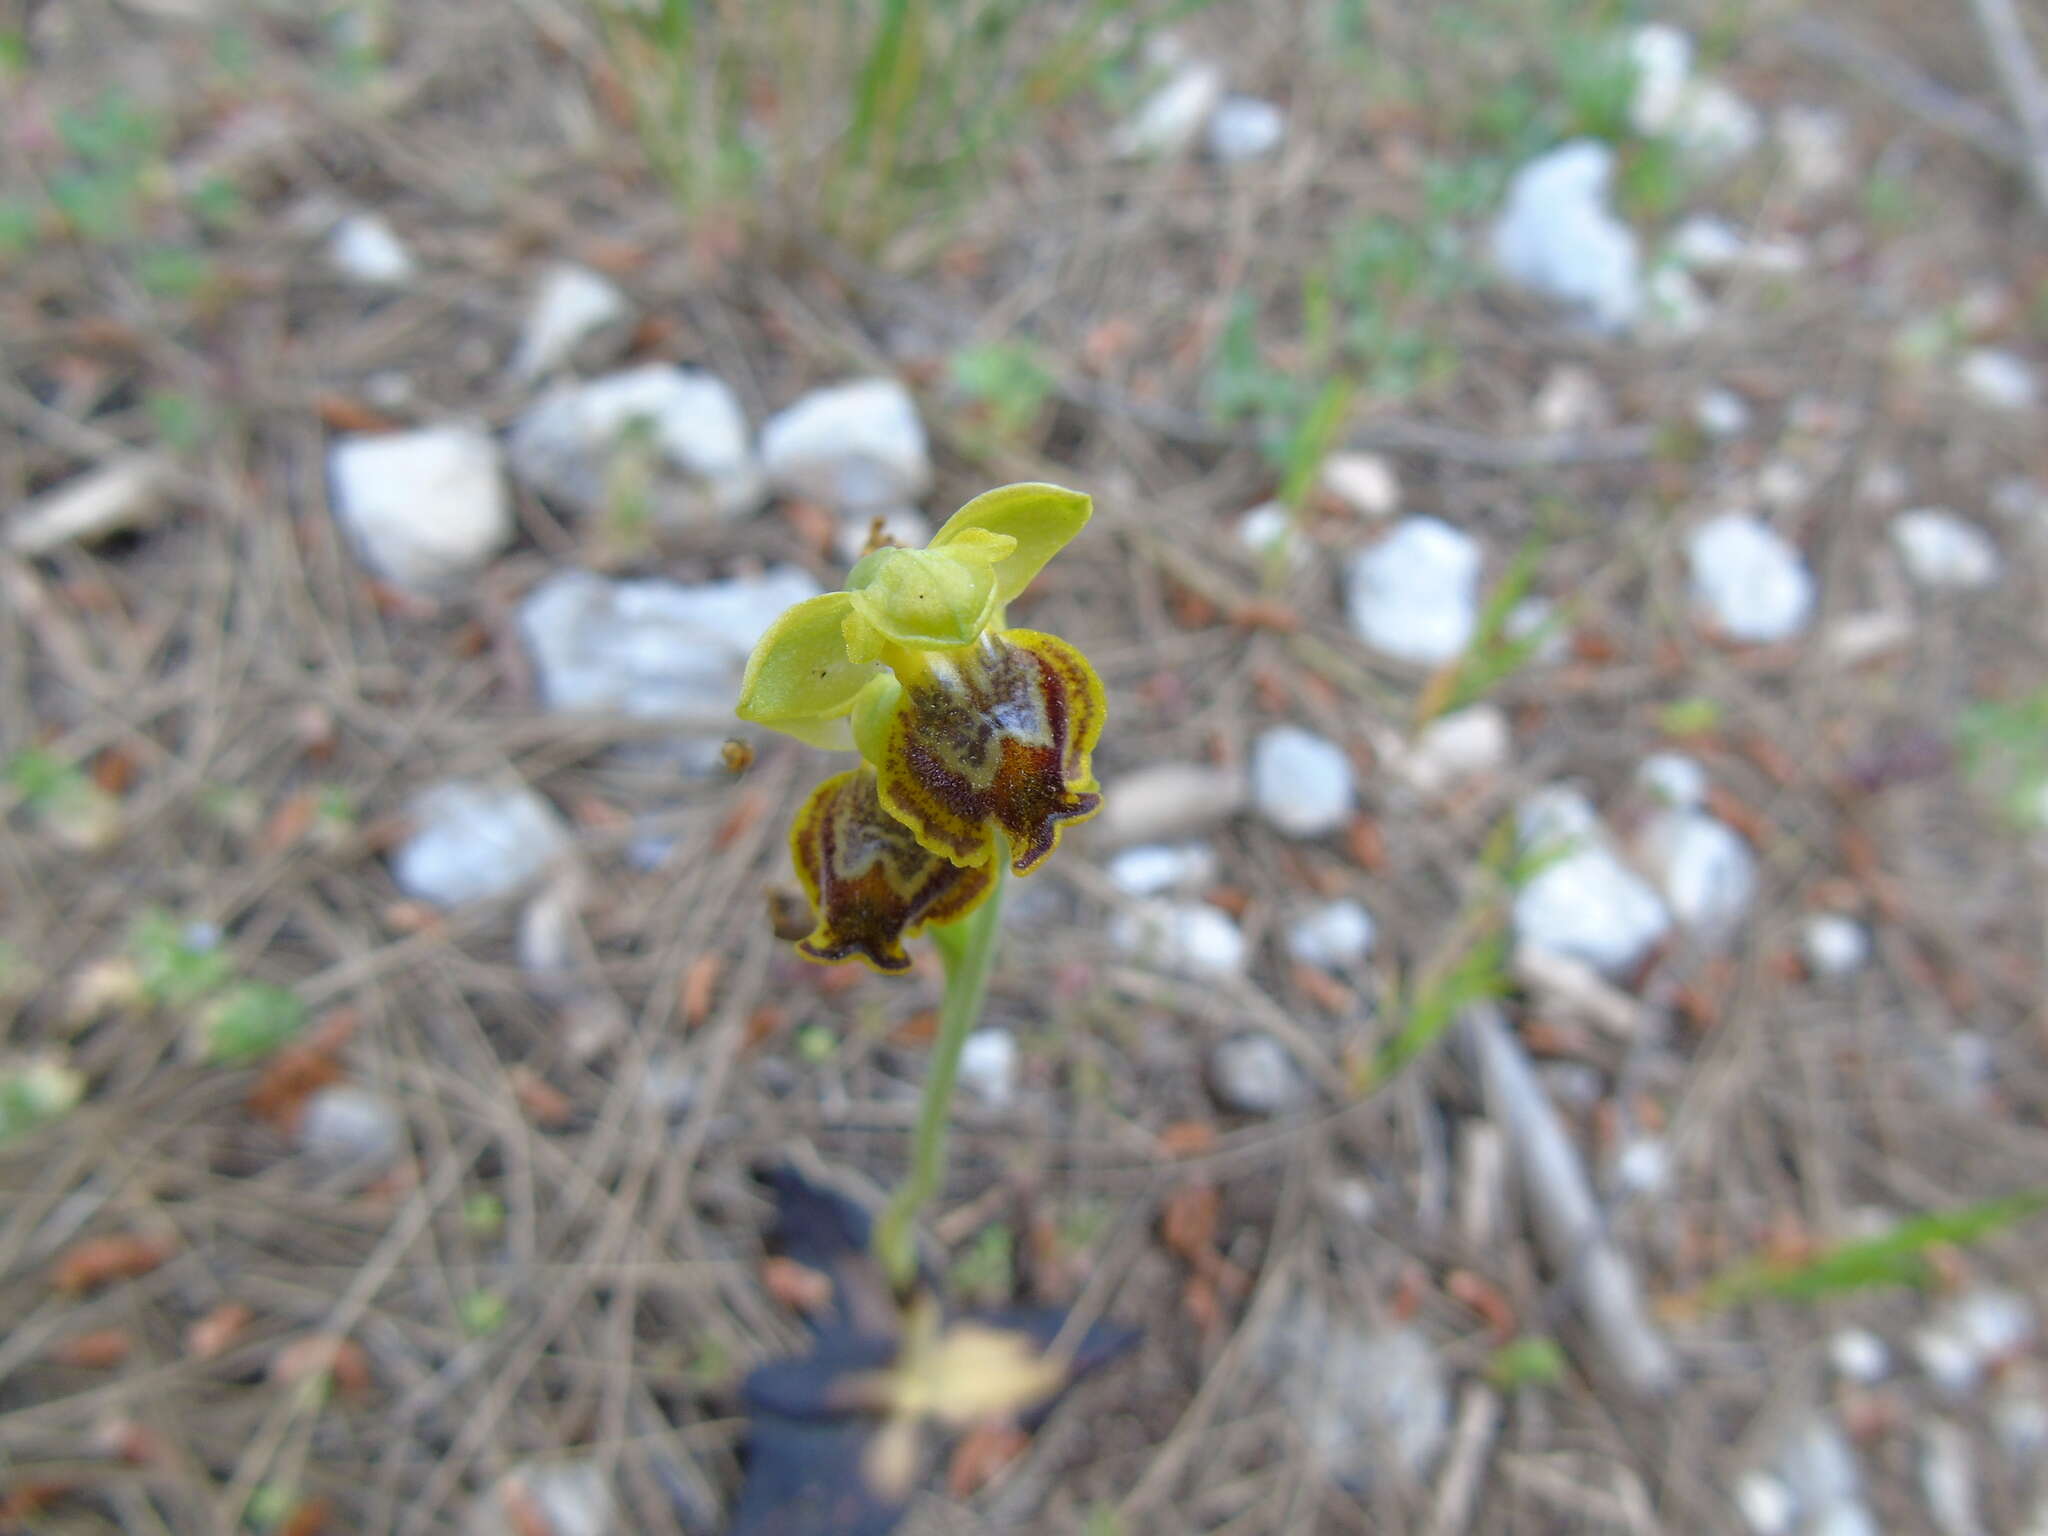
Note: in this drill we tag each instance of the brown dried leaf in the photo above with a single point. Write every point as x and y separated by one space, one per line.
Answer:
1485 1298
748 807
100 1261
700 986
290 822
1187 1138
1189 1222
796 1286
545 1104
215 1334
983 1452
100 1350
323 1354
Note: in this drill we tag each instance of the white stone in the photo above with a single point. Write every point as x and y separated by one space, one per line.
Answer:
1662 57
1558 238
1168 800
1859 1356
1367 483
1155 869
1883 484
1184 938
1674 780
473 840
651 649
1255 1075
1859 637
573 1498
1765 1502
568 443
125 492
856 447
1168 121
1367 1401
570 305
1748 581
1834 946
1711 125
1537 619
988 1066
2019 1415
1707 243
1674 308
1334 936
904 525
1947 1481
1851 1517
1720 413
1947 1360
1584 904
424 509
1268 531
1245 128
1996 1323
1415 594
346 1128
1999 379
1706 870
1942 553
364 249
1571 400
1784 484
1819 1466
1301 783
1643 1166
1457 749
1815 143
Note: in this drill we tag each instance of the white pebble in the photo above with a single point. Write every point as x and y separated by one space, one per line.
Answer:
1835 946
1815 143
1643 1166
1154 869
567 444
1301 783
345 1128
1455 750
1584 904
1570 400
1705 868
1255 1075
474 840
1675 308
1675 780
1859 1356
571 304
1168 800
988 1066
855 447
2019 1415
1720 413
1184 938
1765 1502
1750 583
1999 379
1706 243
425 509
1168 120
1947 1481
1245 128
1943 553
1367 483
1268 531
365 249
1558 238
1414 595
1948 1359
1334 936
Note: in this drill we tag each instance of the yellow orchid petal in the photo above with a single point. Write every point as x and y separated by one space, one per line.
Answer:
924 599
800 673
1040 517
869 882
994 737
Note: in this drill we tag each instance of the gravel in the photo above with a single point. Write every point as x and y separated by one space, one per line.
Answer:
1302 784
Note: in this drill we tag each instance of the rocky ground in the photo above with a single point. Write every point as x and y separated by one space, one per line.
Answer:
1547 1032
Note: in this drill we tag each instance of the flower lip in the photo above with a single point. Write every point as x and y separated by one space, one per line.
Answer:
868 880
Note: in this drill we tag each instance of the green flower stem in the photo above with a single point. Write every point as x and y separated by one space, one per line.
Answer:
968 948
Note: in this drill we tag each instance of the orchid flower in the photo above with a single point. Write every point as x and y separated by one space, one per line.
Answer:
976 736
